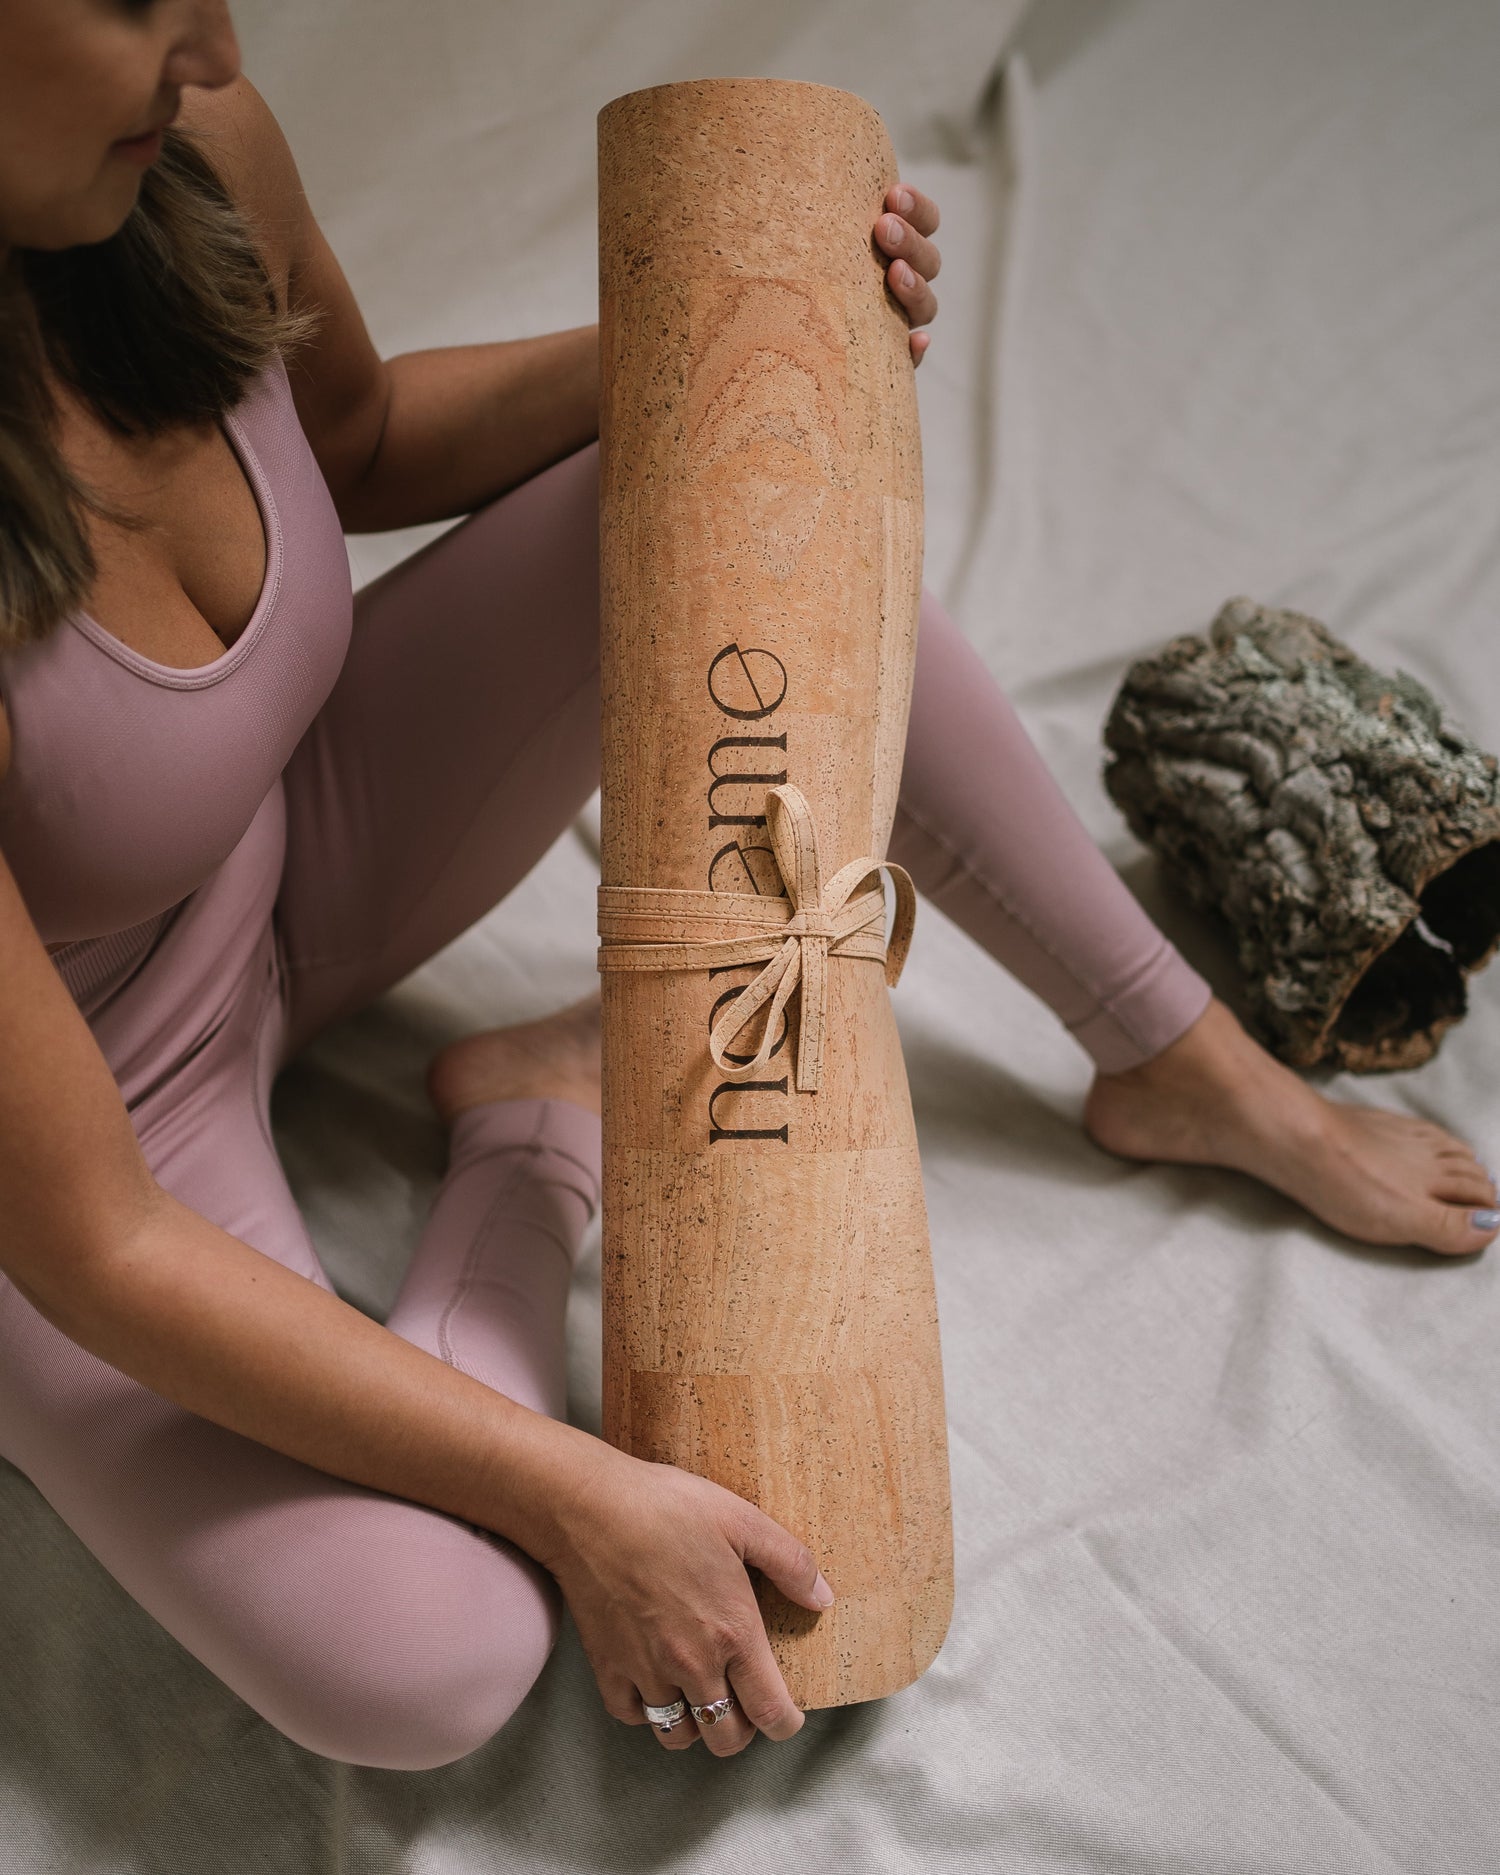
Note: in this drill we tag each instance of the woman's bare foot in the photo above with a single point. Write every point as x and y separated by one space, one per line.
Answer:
1215 1097
554 1059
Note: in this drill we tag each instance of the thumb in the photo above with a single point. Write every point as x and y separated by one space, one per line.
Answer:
767 1546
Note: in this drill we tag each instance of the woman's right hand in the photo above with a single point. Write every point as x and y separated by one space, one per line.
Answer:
652 1564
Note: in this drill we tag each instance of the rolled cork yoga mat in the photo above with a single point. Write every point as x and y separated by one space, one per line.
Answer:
770 1319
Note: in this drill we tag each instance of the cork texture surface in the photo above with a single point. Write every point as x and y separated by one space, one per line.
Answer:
769 1311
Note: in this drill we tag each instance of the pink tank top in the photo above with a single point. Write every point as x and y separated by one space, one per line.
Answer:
130 782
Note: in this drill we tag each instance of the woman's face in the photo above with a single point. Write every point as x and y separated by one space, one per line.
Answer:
78 80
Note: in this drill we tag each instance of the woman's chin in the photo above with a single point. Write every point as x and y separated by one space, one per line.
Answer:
84 220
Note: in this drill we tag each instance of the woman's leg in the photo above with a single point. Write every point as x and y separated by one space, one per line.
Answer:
461 738
365 1627
989 837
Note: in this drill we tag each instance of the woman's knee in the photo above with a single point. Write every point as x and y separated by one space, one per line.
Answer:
411 1680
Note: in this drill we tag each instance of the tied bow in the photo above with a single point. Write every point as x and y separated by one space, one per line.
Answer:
823 921
823 917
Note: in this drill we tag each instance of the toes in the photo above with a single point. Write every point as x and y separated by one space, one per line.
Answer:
1456 1149
1470 1163
1458 1230
1459 1183
1459 1177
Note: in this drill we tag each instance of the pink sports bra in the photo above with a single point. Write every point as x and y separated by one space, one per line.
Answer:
130 782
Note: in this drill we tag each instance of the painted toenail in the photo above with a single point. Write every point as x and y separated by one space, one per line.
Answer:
1485 1220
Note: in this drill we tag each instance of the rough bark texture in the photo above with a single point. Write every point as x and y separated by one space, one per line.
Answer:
1345 826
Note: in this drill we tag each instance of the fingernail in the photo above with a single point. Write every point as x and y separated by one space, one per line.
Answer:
1482 1220
905 201
903 273
893 232
823 1595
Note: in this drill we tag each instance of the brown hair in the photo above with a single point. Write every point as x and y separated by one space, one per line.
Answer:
166 323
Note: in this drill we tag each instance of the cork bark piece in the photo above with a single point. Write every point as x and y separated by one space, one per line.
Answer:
770 1318
1345 826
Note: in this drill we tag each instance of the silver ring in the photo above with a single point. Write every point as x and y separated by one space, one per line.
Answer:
665 1717
715 1710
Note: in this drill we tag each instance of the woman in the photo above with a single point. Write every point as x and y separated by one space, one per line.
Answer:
235 807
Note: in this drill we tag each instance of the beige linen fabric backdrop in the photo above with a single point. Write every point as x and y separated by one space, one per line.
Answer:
1219 293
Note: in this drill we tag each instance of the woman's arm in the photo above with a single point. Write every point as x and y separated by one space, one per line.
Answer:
651 1560
127 1271
464 423
424 436
431 435
205 1320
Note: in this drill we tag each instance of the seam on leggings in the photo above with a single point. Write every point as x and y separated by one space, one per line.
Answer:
469 1271
270 993
544 1149
1103 1005
389 937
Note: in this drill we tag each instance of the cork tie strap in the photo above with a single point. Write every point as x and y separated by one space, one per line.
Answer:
800 932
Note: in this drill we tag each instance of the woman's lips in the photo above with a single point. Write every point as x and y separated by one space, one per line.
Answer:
140 149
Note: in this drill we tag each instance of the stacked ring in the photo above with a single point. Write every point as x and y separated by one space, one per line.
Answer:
665 1717
715 1710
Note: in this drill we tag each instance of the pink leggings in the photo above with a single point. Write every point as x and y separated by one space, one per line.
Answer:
460 740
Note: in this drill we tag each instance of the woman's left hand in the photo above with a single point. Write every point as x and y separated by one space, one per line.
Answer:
902 232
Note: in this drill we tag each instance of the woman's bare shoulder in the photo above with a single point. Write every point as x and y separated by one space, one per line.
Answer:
242 139
341 389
